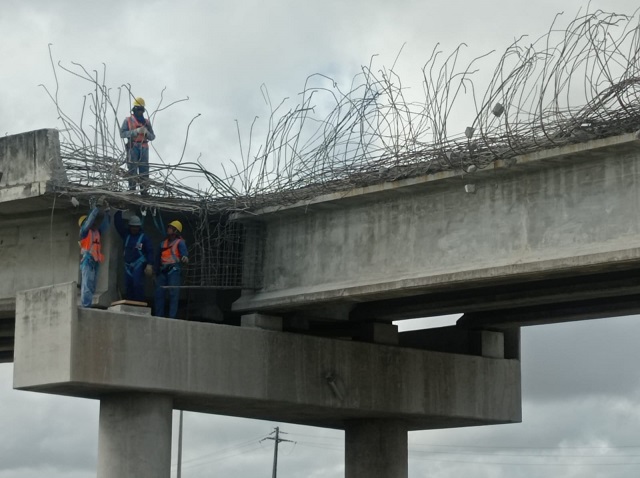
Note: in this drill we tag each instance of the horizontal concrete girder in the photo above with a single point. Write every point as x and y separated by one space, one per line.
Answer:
556 215
251 372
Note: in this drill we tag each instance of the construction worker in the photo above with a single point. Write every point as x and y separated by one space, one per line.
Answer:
138 131
91 252
169 261
138 256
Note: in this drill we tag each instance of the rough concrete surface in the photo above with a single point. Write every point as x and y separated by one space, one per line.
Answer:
252 372
575 211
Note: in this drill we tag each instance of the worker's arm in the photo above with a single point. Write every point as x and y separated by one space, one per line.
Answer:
106 221
126 133
147 246
118 221
150 134
86 225
182 248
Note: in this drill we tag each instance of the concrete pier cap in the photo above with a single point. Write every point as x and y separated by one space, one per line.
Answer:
253 373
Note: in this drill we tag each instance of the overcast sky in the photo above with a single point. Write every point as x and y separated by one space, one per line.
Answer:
580 381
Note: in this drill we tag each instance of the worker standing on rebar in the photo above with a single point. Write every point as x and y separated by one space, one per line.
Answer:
138 131
138 256
91 252
171 257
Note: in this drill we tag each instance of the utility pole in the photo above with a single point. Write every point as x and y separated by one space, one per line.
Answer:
277 440
180 447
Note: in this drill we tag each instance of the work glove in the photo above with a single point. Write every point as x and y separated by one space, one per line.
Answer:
137 131
184 259
148 271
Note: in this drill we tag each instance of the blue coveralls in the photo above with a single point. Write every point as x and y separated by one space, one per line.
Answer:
138 252
138 155
169 275
88 266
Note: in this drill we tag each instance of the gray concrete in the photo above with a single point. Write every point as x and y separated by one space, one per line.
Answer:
130 309
251 372
376 449
39 234
31 165
453 339
134 437
261 321
567 211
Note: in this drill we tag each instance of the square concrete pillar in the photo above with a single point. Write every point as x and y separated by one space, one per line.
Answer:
134 438
376 448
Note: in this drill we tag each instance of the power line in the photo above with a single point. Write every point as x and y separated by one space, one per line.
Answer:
215 455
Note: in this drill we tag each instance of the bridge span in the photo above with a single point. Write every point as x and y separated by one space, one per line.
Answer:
553 236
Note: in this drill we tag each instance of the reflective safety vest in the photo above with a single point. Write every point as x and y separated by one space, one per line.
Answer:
90 246
170 254
140 139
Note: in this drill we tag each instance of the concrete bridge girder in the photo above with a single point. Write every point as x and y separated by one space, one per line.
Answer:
132 362
566 216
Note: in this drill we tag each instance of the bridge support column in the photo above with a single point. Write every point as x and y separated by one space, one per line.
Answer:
134 439
376 448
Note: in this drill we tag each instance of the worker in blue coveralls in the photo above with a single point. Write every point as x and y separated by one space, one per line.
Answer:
137 130
169 261
138 256
91 252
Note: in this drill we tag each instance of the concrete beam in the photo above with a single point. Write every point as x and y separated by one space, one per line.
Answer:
30 164
562 214
253 373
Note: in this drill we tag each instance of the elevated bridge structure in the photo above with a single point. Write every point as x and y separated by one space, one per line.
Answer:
550 237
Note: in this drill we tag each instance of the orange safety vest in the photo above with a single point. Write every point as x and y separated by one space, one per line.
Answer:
91 245
170 253
140 139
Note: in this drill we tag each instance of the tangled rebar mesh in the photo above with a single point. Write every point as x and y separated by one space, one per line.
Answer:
571 85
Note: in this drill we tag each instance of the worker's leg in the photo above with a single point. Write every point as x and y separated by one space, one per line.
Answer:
174 292
143 168
128 283
138 283
132 165
161 280
89 271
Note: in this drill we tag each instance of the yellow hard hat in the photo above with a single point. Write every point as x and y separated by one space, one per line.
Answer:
81 220
139 102
177 225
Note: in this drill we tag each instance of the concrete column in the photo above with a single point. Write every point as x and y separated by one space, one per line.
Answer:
134 439
376 448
